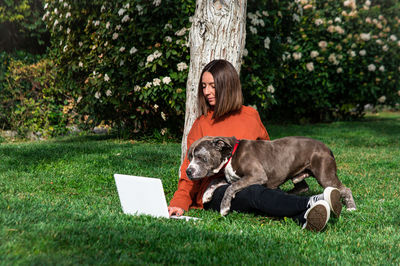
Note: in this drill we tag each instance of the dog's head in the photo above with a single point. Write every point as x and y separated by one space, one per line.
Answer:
208 155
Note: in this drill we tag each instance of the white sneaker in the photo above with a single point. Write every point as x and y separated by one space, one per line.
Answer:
330 195
317 216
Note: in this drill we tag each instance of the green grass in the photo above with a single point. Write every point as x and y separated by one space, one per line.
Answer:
59 205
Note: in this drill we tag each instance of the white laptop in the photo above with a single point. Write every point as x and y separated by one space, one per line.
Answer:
143 195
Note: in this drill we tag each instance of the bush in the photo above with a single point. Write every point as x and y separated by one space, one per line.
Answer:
30 100
21 27
339 57
125 62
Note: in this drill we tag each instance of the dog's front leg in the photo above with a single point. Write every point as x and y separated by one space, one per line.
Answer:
216 183
236 187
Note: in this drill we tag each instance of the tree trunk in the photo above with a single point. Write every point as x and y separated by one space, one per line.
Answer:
218 31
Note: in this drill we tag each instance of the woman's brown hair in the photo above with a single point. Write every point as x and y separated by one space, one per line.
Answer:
228 91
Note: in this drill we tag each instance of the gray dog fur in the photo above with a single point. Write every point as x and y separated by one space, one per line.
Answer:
269 163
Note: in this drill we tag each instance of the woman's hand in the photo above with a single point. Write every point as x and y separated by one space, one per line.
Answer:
175 211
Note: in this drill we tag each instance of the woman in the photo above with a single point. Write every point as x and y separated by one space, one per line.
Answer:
222 114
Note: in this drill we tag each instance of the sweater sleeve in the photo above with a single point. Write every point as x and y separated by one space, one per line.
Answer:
185 195
262 132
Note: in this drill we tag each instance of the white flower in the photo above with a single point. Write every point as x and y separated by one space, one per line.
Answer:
182 66
365 36
164 117
136 88
318 22
379 41
296 17
265 13
338 20
314 54
122 49
80 64
115 36
296 55
362 52
139 8
56 11
97 95
339 70
286 55
96 23
168 39
108 93
80 44
148 85
68 30
55 23
121 12
332 59
105 44
126 18
68 15
156 82
371 67
118 27
382 68
46 5
157 54
150 58
107 25
352 53
102 8
253 30
181 32
339 29
271 89
393 38
65 48
168 26
367 3
155 107
133 50
164 130
382 99
385 48
322 44
156 2
267 42
121 63
106 77
310 66
166 80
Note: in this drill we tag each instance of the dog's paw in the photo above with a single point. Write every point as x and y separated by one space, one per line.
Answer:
224 211
351 209
207 196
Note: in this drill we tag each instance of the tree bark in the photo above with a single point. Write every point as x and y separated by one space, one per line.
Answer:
218 31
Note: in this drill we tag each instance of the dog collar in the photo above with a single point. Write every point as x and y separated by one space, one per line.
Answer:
233 152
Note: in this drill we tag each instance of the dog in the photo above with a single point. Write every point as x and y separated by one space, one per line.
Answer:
269 163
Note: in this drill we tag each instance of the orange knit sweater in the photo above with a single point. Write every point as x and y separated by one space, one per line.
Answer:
245 124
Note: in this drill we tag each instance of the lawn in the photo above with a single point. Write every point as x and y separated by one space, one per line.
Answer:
59 205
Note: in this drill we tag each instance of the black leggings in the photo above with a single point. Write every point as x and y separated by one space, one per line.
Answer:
263 201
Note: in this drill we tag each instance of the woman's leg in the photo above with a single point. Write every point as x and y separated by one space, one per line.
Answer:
261 200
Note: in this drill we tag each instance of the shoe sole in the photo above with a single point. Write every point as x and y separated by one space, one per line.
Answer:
317 217
332 196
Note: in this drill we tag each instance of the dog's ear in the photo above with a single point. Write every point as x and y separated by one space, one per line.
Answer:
222 145
190 153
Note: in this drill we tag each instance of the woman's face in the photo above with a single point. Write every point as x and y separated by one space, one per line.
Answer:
207 82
